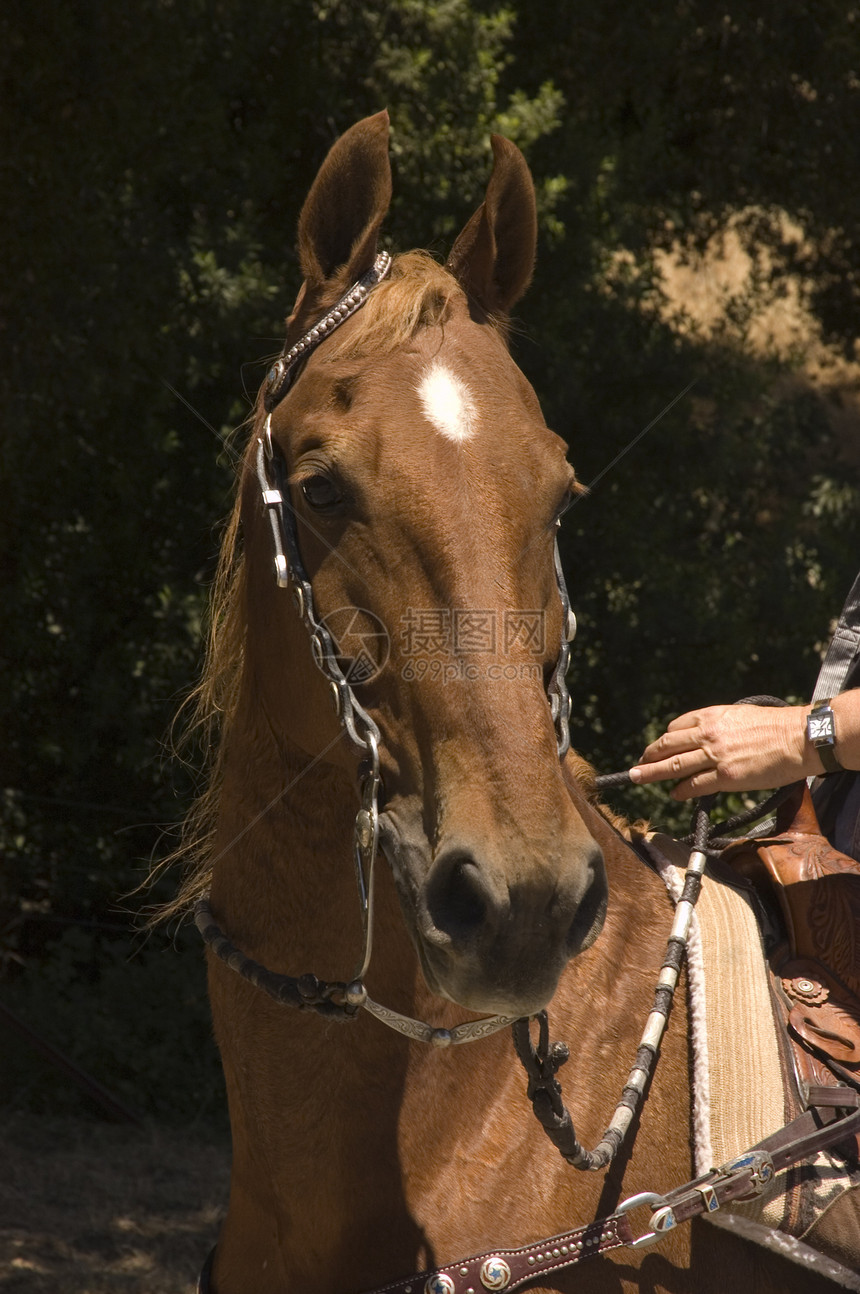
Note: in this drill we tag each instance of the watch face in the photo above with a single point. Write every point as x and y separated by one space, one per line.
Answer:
820 727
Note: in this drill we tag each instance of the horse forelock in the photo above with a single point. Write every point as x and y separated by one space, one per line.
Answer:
418 293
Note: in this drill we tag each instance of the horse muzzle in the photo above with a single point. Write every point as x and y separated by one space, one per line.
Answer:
496 935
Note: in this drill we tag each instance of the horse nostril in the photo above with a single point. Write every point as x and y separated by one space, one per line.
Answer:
457 897
591 911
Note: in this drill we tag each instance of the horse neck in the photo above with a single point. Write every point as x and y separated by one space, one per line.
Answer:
286 893
282 865
639 906
283 880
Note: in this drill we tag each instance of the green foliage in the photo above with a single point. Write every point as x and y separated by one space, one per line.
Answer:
708 563
437 68
135 1020
155 158
723 581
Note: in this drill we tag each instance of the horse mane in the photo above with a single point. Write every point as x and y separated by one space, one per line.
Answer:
204 718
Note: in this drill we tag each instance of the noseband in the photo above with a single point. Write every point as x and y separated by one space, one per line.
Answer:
346 998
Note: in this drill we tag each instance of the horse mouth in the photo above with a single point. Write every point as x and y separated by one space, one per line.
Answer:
507 963
473 990
516 977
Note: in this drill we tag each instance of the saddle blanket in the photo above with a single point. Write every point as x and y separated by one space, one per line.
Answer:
741 1088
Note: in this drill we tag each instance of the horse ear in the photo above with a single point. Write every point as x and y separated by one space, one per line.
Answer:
339 223
494 256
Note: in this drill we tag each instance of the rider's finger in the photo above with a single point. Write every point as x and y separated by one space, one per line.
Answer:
684 763
688 720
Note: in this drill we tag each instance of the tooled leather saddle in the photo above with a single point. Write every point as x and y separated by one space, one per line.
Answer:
814 956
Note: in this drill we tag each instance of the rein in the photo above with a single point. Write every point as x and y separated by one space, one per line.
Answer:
541 1063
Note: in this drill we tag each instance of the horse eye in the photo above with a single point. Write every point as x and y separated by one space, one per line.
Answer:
563 507
320 492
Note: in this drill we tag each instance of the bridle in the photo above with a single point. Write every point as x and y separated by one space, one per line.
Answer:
743 1178
347 997
344 999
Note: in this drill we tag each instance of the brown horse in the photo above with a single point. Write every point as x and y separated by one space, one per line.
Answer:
426 489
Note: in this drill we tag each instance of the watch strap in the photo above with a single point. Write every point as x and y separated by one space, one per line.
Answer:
823 744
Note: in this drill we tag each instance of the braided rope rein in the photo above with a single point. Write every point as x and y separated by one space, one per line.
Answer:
543 1061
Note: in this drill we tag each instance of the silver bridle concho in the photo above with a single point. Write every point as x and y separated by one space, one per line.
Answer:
357 723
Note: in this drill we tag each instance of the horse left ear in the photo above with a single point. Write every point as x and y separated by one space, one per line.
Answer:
340 220
494 256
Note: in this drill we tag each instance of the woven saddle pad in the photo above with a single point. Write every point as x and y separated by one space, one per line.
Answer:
743 1087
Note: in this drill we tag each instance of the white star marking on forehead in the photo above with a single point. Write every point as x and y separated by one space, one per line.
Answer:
448 403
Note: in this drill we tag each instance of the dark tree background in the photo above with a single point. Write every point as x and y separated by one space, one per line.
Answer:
155 156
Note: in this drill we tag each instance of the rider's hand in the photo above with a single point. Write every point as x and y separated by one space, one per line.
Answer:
731 748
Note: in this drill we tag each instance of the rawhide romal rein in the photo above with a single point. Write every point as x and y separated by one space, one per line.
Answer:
543 1059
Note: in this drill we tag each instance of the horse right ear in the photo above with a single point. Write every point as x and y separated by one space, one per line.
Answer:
494 256
340 221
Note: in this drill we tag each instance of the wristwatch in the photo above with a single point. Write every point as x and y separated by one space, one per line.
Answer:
821 731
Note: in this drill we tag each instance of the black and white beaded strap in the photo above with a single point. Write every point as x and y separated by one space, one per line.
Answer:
283 371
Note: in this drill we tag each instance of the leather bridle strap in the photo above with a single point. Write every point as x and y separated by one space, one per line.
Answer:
801 1139
501 1269
283 372
508 1269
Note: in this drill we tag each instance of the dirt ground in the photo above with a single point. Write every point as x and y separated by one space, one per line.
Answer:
94 1208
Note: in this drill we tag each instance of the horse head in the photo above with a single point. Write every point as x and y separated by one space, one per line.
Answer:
427 489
